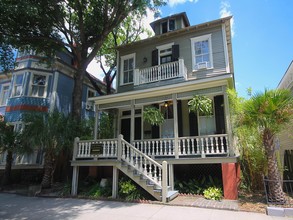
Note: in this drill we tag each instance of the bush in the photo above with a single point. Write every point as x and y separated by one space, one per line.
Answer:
213 193
197 186
128 191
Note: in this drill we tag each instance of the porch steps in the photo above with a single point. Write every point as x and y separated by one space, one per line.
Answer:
145 183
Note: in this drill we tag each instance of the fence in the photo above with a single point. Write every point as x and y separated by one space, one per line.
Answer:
287 186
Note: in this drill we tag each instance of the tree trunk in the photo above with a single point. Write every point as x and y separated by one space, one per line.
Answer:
275 193
77 94
7 173
48 170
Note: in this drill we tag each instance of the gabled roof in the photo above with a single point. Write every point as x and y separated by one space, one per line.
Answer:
182 14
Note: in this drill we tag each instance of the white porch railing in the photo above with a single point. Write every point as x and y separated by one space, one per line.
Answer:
187 146
197 146
160 72
97 148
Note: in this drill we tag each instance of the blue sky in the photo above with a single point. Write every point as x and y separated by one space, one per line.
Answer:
263 36
262 42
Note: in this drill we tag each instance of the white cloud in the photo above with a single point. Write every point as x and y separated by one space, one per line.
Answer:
149 18
225 12
172 3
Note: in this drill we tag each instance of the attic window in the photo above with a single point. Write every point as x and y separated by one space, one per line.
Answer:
168 25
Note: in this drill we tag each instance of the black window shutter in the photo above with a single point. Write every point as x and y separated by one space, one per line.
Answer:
175 52
193 125
155 57
220 114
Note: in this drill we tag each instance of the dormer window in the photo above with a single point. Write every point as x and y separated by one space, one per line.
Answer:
168 25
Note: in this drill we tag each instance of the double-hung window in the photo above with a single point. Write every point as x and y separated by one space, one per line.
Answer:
38 85
201 49
127 67
17 85
4 94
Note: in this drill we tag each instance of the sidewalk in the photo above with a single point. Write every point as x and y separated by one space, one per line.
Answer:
21 207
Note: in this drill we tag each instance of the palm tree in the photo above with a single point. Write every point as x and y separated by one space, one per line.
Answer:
270 112
52 132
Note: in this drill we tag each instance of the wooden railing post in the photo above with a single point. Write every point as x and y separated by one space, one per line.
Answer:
75 148
164 181
119 150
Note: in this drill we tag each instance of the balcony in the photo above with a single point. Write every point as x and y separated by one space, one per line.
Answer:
162 72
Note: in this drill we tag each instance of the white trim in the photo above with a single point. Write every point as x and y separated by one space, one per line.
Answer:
193 40
22 84
225 49
2 93
168 25
166 90
126 57
31 83
165 46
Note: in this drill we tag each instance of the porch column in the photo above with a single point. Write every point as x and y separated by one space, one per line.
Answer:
231 180
74 180
96 122
228 123
115 183
132 122
175 114
171 176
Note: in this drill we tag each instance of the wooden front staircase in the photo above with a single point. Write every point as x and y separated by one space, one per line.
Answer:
145 171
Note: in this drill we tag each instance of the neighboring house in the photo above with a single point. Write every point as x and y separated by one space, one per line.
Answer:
35 86
166 71
286 136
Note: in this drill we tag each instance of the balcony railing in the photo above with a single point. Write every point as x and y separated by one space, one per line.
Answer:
197 146
160 72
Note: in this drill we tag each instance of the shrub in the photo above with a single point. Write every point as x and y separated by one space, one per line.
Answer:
213 193
128 190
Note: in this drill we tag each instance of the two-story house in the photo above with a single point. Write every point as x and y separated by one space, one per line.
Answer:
35 86
286 136
166 71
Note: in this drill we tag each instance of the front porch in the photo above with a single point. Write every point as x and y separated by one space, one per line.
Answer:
148 153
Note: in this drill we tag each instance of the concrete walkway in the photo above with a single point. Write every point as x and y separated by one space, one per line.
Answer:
20 207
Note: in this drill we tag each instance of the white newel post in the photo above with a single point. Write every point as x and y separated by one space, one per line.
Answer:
119 150
74 180
175 113
164 181
115 183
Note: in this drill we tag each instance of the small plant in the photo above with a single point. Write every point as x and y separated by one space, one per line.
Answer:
153 116
213 193
201 104
128 190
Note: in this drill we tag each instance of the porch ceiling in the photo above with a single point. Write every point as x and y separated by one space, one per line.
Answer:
192 85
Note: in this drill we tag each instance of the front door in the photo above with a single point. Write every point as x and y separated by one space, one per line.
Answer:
167 128
125 128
